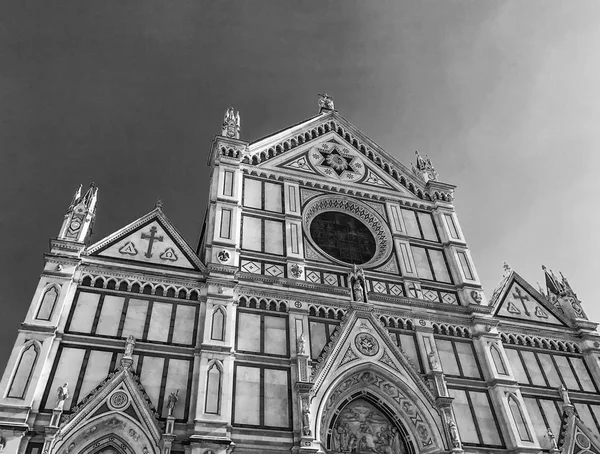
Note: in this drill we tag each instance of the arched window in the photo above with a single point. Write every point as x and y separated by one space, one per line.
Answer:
213 389
497 358
47 305
22 376
517 414
218 325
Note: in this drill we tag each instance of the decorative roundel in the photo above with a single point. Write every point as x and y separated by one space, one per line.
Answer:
347 231
336 161
582 441
119 400
366 344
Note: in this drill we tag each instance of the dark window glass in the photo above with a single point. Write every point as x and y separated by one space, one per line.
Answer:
343 237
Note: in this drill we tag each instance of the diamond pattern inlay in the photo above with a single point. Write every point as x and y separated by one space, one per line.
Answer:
313 276
330 279
449 298
273 270
431 295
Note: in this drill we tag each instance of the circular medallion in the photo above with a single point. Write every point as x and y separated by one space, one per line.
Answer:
119 400
366 344
223 256
347 231
582 441
336 161
75 224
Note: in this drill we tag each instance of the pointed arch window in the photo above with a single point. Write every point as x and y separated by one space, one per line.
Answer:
23 372
519 418
47 305
213 389
498 361
218 325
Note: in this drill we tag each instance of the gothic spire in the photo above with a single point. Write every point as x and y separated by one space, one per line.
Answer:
80 215
424 168
231 124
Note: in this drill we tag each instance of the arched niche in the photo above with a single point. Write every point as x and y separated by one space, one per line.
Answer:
114 429
399 407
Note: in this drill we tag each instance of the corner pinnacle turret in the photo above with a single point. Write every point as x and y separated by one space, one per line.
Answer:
231 124
80 216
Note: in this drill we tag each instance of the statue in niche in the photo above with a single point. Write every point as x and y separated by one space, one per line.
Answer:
454 434
129 344
361 428
434 363
358 291
62 396
305 419
302 344
173 398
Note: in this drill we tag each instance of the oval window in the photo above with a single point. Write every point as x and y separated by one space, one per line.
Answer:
343 237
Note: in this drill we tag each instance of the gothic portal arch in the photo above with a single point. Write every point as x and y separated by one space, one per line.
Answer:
367 410
114 431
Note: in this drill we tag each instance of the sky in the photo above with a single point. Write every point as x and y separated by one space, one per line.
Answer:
502 96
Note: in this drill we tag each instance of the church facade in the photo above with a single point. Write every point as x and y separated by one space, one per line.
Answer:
331 306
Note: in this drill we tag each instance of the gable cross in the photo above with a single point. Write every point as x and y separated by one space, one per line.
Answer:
151 239
521 298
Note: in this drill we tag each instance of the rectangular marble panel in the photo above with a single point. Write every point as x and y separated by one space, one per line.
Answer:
274 237
566 372
549 370
228 183
410 221
585 414
516 365
439 265
276 398
582 374
453 231
427 227
98 367
135 318
465 265
273 197
533 368
160 322
422 263
177 379
539 426
466 356
275 335
485 418
252 193
396 217
318 338
185 319
247 395
248 332
225 231
110 316
151 377
67 371
85 312
408 344
464 418
447 357
552 415
251 233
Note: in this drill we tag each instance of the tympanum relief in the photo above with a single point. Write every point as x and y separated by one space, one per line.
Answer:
362 428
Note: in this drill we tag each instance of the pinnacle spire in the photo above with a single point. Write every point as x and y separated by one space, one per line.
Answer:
231 124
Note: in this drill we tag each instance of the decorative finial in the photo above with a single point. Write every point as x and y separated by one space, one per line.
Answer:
231 124
325 102
553 445
507 269
158 205
424 168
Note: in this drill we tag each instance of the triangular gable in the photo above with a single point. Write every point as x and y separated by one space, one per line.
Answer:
283 147
575 437
152 240
518 300
122 402
361 338
331 159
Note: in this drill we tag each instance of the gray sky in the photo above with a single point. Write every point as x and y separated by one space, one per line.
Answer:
503 96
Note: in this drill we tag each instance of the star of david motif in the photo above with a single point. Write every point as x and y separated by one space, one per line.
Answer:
335 161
